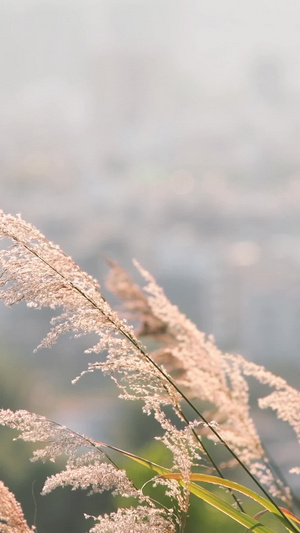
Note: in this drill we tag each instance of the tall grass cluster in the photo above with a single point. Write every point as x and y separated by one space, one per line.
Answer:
198 395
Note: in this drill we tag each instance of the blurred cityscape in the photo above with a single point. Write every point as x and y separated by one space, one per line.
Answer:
117 141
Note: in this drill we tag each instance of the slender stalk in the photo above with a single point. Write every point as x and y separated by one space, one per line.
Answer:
99 447
165 376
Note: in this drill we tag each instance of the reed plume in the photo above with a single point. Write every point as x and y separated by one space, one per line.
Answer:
185 368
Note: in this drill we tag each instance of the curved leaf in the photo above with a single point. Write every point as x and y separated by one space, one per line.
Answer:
284 515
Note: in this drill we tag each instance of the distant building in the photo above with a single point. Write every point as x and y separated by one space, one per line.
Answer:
271 311
268 79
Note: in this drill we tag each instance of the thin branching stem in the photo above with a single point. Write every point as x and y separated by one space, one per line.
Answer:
137 345
165 376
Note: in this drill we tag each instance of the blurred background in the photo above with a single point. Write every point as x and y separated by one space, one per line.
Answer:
167 131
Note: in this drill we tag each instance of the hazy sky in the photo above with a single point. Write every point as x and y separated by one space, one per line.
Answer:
86 85
219 36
